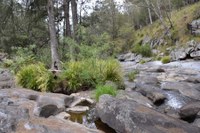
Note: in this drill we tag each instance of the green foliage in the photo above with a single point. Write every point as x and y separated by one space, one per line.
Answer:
144 50
86 74
166 59
142 62
104 89
95 47
27 77
22 57
158 58
132 75
7 63
36 77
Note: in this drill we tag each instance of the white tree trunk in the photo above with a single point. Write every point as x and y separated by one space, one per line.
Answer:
53 38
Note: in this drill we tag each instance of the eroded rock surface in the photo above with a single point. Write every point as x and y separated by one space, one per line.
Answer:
127 116
18 108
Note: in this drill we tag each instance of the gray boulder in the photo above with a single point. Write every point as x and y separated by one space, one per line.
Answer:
51 104
190 111
127 116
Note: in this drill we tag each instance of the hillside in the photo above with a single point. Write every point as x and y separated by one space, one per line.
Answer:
179 33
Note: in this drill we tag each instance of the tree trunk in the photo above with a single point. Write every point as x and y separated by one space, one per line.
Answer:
149 11
74 18
53 38
67 19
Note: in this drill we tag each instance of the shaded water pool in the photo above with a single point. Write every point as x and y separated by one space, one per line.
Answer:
89 120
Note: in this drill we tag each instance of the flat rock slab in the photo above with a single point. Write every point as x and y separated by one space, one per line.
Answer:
127 116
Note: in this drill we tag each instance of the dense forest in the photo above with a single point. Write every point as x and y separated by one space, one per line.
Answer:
74 30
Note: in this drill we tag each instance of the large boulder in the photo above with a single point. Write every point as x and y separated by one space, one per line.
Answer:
190 111
179 54
127 116
51 104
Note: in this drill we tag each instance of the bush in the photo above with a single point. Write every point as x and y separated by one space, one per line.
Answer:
132 75
105 89
142 62
82 75
22 57
144 50
7 63
166 59
35 77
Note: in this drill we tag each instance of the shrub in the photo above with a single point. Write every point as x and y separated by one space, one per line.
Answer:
22 57
166 59
158 58
144 50
105 89
82 75
27 77
142 61
112 71
132 75
35 77
7 63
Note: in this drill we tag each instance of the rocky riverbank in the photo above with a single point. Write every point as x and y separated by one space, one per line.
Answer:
162 99
27 111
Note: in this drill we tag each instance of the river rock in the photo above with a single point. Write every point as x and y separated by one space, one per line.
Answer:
178 54
51 104
127 116
16 114
190 111
186 89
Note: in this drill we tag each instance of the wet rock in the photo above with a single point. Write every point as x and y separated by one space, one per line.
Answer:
126 116
190 111
186 89
77 109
